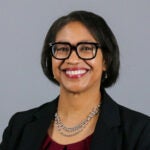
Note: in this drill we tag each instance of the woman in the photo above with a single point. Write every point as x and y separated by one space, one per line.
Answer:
81 55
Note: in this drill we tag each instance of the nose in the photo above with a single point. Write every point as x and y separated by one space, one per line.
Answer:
73 58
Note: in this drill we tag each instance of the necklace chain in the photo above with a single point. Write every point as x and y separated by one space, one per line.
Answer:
71 131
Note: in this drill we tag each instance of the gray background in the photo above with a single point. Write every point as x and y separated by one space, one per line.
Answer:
23 26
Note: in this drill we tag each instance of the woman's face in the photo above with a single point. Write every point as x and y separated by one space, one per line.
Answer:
74 74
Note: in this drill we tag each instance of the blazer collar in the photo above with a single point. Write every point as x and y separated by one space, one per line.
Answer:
109 111
106 130
47 110
36 130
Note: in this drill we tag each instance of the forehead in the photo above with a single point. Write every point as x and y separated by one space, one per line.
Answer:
74 32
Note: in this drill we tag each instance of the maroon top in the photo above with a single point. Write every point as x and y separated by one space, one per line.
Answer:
50 144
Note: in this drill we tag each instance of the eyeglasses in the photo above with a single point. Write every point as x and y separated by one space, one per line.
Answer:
84 50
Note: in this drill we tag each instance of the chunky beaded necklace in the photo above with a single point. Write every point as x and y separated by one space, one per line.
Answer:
71 131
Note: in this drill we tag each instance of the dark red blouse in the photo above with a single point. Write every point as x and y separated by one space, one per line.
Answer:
50 144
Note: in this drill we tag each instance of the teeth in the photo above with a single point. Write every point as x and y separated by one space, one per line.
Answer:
76 72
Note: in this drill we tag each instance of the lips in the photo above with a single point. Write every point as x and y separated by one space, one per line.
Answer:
75 73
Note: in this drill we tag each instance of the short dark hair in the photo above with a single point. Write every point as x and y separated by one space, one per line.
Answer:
102 34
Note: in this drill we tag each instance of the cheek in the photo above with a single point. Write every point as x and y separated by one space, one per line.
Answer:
55 67
97 64
100 62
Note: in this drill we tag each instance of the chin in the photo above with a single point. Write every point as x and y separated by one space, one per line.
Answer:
75 89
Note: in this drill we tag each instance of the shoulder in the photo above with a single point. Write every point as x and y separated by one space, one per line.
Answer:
132 127
136 127
123 114
126 115
131 122
132 117
20 120
24 117
134 123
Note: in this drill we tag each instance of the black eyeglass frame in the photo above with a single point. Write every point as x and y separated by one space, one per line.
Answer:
74 48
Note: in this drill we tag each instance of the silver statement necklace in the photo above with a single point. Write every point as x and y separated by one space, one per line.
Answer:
71 131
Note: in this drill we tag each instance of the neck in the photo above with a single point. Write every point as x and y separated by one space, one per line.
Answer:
74 104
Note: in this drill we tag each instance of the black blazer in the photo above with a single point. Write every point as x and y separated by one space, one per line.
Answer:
118 128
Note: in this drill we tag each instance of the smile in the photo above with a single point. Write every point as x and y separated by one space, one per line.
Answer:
75 73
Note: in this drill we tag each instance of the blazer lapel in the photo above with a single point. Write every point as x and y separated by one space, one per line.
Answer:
107 135
35 131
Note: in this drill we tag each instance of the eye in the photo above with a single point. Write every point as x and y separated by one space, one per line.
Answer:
86 47
61 48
